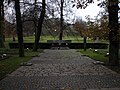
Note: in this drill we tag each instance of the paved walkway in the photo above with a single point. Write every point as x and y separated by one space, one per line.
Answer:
61 70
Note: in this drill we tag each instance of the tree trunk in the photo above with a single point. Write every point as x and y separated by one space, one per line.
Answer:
1 24
85 47
19 28
39 27
61 21
35 17
3 15
113 33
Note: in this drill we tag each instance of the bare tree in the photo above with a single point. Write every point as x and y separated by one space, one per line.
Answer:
39 27
61 9
61 20
1 23
19 28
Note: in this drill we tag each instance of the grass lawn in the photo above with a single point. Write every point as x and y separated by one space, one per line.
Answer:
75 39
13 62
100 56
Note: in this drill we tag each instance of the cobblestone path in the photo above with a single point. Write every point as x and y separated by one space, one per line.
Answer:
61 70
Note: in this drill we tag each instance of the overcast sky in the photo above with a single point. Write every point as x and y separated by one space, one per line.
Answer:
91 10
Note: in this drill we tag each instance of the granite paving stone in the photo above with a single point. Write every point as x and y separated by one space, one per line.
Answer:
61 70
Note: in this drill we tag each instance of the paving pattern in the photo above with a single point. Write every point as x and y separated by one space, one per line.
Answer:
61 70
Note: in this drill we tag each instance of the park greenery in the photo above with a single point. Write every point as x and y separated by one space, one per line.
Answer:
100 55
11 61
38 21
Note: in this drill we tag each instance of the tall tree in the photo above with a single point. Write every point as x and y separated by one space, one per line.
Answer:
39 27
1 23
19 28
35 17
61 20
113 32
80 26
61 9
113 27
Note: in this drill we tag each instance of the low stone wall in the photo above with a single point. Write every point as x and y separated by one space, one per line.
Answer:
30 45
59 41
70 45
88 45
